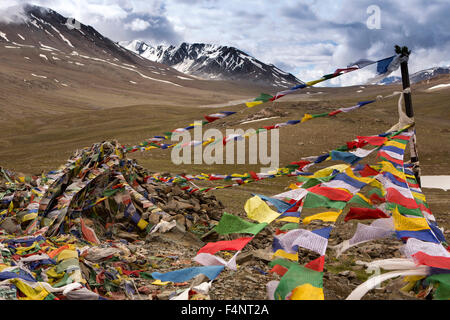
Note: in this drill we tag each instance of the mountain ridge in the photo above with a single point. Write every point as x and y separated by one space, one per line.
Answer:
212 62
422 75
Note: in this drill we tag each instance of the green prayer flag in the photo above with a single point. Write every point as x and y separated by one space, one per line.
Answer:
233 224
443 290
313 200
282 262
358 200
289 226
297 276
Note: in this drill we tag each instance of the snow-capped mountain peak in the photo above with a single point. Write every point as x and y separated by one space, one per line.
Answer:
210 61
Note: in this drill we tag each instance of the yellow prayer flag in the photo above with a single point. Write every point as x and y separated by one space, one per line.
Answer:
325 172
29 216
395 144
350 173
252 103
307 292
293 186
258 210
306 117
67 254
364 198
419 196
377 184
3 266
142 224
330 216
21 250
388 167
38 293
37 193
408 287
412 278
160 283
406 223
411 282
313 82
284 254
289 219
51 273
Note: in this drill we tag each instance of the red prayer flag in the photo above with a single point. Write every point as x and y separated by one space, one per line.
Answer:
211 119
376 199
373 140
254 175
364 214
356 144
431 261
301 164
334 112
331 193
88 233
316 264
237 244
368 172
278 269
395 196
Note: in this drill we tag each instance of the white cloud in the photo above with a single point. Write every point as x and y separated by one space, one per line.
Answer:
137 25
302 37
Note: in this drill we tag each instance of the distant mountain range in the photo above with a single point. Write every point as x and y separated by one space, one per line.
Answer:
213 62
422 75
46 58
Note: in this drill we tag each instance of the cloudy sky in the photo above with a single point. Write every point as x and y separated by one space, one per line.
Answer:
308 38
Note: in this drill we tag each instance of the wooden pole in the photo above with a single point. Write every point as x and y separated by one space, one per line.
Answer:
409 109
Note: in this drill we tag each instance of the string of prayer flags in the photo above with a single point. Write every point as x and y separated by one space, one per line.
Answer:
295 168
156 141
360 104
384 67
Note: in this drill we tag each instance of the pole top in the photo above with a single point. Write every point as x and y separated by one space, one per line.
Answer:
402 51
